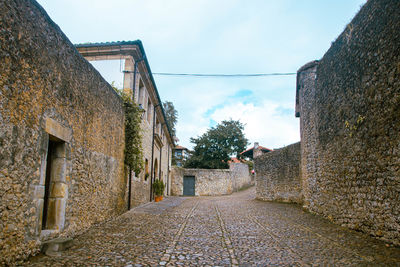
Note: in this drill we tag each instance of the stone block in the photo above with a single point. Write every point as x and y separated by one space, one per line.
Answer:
59 190
55 246
58 170
56 129
38 191
60 150
56 214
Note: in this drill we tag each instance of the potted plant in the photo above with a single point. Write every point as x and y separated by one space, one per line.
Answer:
158 187
162 187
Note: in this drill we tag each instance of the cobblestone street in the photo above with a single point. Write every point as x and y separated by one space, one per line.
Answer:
232 230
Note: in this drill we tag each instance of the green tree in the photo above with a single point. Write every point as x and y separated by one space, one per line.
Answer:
133 136
171 115
214 148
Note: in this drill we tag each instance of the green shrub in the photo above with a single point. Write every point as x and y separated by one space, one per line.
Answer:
158 187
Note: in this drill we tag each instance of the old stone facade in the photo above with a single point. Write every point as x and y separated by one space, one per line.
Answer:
61 135
348 104
212 182
278 175
157 141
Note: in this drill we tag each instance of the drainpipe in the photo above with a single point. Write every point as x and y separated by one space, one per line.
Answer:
168 172
130 188
133 97
152 153
159 173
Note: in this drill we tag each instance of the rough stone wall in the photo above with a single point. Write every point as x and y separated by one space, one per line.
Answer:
306 108
241 176
48 90
211 182
278 175
355 179
141 185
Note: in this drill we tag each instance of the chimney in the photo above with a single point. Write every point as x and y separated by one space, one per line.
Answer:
256 150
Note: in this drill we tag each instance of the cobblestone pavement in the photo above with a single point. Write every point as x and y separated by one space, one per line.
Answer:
234 230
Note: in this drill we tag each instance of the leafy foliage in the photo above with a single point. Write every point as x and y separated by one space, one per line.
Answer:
133 137
171 115
158 187
214 149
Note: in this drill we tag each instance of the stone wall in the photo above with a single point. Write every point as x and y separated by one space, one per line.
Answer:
212 182
349 106
53 105
240 175
278 175
141 184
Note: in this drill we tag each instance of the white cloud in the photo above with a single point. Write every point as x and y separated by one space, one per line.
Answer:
208 36
263 123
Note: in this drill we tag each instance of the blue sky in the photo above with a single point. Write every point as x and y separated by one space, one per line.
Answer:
216 36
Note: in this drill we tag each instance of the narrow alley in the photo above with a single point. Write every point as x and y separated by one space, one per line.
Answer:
234 230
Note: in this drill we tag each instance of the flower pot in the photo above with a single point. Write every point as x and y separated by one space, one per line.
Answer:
157 199
161 198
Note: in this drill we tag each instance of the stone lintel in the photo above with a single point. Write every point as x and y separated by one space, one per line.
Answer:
56 129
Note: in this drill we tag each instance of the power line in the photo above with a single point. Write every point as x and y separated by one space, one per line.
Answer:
224 75
203 75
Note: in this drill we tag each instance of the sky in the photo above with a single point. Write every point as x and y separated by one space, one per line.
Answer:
214 37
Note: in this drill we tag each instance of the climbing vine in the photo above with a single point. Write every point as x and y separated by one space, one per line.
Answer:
352 128
133 136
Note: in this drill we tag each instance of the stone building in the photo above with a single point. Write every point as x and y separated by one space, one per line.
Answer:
348 103
181 154
210 182
62 135
255 151
157 140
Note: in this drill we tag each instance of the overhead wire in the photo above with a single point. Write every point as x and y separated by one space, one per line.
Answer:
204 75
225 75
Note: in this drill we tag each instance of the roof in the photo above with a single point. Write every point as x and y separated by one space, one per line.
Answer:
235 160
180 147
249 152
141 48
260 147
134 42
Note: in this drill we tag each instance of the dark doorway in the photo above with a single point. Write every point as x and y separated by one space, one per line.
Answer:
188 186
53 208
50 155
129 188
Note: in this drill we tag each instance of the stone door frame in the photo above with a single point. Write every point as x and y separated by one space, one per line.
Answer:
53 131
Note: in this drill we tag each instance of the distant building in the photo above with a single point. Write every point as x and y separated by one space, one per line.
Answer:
181 154
235 160
255 151
157 140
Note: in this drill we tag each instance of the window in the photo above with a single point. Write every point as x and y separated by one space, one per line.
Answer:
158 126
141 93
149 110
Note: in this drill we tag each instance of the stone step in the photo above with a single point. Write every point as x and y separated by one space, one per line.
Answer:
53 247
